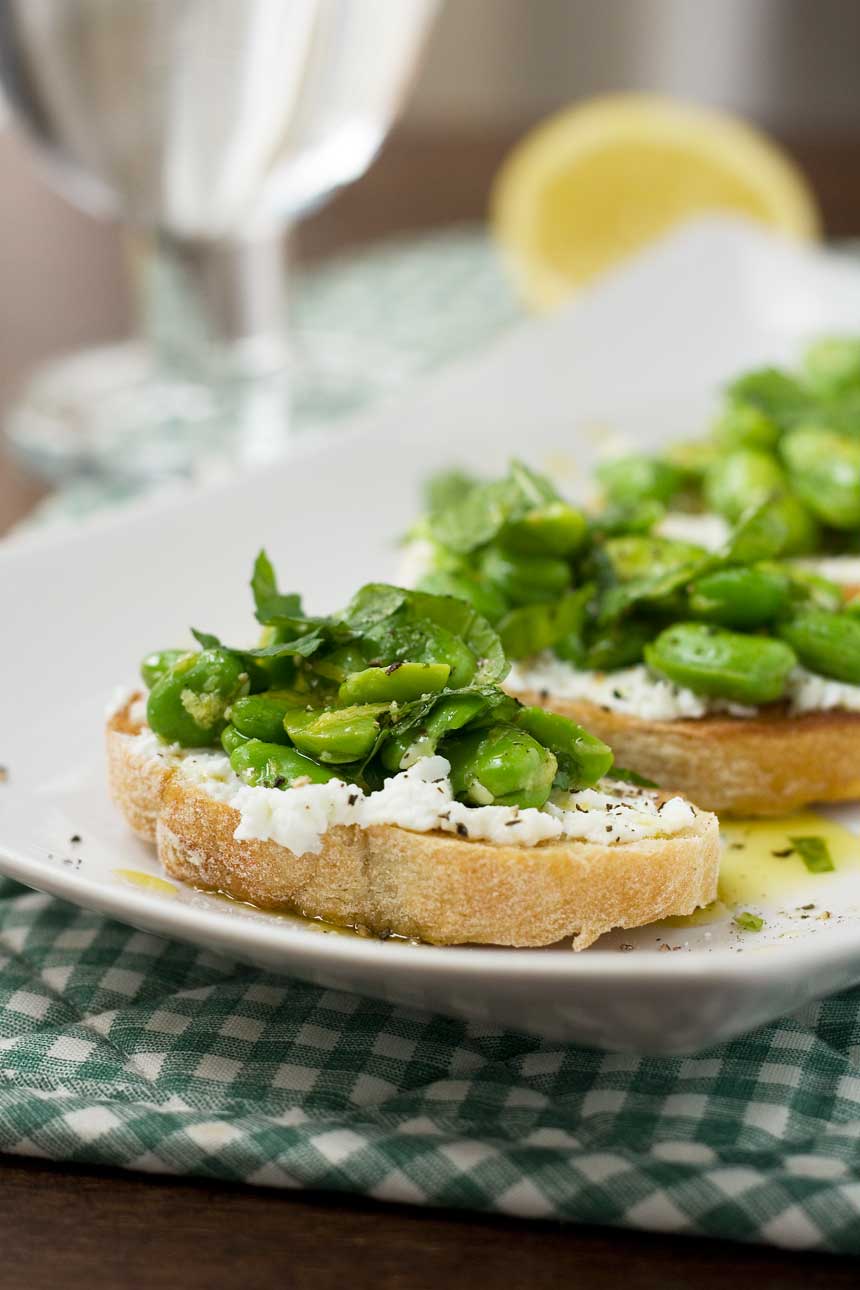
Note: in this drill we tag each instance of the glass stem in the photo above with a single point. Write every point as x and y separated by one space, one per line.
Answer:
211 311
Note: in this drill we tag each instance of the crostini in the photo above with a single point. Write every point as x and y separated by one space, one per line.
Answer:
730 675
368 770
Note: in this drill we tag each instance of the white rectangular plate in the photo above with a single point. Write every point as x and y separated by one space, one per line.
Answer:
640 356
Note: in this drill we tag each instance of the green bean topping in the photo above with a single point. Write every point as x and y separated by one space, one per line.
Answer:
397 676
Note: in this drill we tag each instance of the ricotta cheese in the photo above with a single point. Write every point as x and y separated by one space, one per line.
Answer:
638 693
812 693
706 529
712 532
841 569
420 799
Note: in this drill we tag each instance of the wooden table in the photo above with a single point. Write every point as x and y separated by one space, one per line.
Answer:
88 1228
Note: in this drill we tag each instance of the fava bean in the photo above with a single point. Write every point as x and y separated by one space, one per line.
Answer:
398 683
525 579
155 665
743 425
336 735
188 704
231 739
501 766
722 664
739 480
261 716
266 765
826 643
451 713
647 559
636 478
582 758
744 596
824 469
425 642
554 529
833 365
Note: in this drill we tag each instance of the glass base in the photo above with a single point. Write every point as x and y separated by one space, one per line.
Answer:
110 412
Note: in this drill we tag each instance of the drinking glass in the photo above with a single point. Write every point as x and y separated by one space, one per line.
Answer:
206 127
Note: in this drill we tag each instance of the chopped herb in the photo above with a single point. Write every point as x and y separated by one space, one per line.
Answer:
462 831
736 846
76 837
624 776
815 854
749 922
781 855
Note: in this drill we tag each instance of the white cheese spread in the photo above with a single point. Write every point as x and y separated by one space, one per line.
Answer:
420 799
812 693
638 693
841 569
703 529
712 532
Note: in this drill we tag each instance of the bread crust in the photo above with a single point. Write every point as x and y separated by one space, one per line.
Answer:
432 886
765 765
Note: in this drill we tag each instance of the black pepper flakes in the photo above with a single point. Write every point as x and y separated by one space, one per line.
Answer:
462 831
76 837
392 667
352 799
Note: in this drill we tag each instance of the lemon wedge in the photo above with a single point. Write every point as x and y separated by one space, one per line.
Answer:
596 182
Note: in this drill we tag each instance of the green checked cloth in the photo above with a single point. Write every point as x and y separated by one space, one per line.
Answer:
122 1049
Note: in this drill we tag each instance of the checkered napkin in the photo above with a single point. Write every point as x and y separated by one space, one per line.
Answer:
119 1048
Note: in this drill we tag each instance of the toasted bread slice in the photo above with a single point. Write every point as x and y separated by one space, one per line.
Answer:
433 886
764 765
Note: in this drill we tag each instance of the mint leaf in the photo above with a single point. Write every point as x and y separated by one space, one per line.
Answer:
205 639
624 776
476 518
749 922
447 488
270 604
815 854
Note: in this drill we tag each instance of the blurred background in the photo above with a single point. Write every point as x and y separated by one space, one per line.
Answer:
490 69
